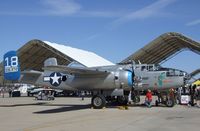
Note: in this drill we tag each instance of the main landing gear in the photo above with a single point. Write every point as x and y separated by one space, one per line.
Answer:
166 99
120 98
98 101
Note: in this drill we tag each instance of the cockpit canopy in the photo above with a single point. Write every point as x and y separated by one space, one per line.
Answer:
153 67
145 67
173 72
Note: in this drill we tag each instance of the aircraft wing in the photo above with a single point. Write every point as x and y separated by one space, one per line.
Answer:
76 71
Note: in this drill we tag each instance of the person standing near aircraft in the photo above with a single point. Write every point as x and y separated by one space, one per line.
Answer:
197 94
82 95
10 92
172 95
192 94
148 98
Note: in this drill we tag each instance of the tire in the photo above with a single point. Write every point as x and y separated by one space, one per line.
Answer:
98 101
122 100
136 99
169 103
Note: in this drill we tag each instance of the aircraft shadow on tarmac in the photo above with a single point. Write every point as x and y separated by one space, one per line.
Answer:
63 108
67 107
29 104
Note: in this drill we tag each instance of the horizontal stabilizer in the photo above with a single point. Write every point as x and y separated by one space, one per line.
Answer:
30 77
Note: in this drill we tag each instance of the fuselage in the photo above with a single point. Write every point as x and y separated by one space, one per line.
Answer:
140 77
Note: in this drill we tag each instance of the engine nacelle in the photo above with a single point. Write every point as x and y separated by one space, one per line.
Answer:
124 79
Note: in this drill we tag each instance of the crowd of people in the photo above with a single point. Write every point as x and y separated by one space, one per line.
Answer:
175 95
195 95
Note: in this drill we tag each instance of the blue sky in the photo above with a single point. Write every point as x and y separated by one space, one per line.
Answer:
113 29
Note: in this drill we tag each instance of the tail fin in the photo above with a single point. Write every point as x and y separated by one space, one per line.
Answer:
50 62
11 66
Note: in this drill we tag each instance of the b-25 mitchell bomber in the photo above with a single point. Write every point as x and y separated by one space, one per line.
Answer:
107 83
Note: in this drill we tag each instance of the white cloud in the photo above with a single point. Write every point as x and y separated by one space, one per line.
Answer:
102 14
73 8
152 10
94 36
48 7
70 7
193 23
61 7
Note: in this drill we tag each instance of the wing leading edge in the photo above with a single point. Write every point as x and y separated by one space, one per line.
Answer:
76 71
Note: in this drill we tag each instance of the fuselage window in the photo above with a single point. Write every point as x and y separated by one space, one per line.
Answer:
143 68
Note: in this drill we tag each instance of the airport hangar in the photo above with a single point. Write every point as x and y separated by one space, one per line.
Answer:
33 54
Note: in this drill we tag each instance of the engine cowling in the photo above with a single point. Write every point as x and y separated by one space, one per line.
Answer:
124 79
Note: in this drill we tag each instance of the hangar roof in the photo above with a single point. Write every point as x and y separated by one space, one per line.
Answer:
194 73
163 48
88 59
33 54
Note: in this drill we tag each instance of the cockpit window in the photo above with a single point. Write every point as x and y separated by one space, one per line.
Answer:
147 67
174 72
150 68
137 67
143 68
157 68
170 73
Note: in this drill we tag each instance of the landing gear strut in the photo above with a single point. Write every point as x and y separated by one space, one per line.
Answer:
122 100
135 96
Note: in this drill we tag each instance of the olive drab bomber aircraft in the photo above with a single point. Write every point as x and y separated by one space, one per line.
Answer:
108 83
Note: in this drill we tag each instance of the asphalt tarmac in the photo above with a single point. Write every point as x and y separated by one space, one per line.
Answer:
73 114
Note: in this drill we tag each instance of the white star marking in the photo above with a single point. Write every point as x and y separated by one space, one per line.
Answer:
55 79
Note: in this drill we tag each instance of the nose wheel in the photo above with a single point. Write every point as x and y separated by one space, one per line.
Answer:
98 101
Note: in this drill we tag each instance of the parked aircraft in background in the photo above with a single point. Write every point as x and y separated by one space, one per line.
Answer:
107 83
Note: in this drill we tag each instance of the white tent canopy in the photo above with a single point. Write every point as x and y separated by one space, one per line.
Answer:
88 59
